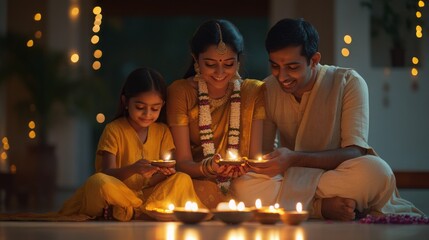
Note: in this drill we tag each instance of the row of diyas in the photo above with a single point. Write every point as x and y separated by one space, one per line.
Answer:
233 159
272 214
232 213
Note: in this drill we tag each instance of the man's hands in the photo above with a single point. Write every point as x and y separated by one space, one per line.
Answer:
278 162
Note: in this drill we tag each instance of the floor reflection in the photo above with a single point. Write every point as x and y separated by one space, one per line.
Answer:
212 230
299 234
237 234
191 234
232 232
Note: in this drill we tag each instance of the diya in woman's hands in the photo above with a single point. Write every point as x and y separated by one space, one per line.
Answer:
231 159
232 166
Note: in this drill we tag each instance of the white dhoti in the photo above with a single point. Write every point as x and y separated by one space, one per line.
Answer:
368 180
252 186
297 185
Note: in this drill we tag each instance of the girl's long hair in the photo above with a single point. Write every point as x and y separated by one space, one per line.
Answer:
143 79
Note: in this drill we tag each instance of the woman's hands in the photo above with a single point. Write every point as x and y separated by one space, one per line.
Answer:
231 171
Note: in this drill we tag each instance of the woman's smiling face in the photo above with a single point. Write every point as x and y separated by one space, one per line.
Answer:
217 69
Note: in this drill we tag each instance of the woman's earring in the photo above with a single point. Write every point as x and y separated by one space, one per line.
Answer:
236 75
197 71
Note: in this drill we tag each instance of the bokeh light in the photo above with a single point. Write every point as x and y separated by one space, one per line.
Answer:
347 39
345 52
74 58
96 65
95 39
100 118
96 10
30 43
37 17
32 134
31 125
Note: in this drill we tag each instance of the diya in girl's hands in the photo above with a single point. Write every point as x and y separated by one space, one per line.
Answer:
144 168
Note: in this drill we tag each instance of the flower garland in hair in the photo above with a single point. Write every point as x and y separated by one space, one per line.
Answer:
205 119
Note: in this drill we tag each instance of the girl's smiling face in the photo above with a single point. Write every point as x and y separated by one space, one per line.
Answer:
144 109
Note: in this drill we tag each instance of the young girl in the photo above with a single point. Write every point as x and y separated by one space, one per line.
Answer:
126 184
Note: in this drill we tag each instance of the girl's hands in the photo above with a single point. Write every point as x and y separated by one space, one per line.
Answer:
144 168
167 171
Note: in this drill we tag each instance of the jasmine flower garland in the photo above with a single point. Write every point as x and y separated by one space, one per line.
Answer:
234 119
205 119
205 123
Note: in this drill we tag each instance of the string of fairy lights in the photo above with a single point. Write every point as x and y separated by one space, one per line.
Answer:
4 166
74 14
414 71
95 39
419 35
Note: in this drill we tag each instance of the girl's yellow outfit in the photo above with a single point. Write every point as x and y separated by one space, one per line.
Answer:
133 194
182 110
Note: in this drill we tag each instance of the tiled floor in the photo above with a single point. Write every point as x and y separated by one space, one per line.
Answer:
207 230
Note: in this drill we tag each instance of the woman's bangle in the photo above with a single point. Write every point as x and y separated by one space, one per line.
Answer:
206 167
210 166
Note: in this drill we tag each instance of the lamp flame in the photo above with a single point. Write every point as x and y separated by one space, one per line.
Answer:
232 156
171 207
299 207
191 206
258 203
232 205
240 206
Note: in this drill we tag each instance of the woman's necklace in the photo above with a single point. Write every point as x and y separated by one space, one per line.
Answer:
205 119
216 103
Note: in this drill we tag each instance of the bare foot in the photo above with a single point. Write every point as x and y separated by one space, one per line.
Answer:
338 208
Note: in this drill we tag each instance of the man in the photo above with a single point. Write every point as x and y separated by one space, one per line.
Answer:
321 115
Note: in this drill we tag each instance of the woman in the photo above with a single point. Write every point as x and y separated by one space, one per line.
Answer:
212 111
